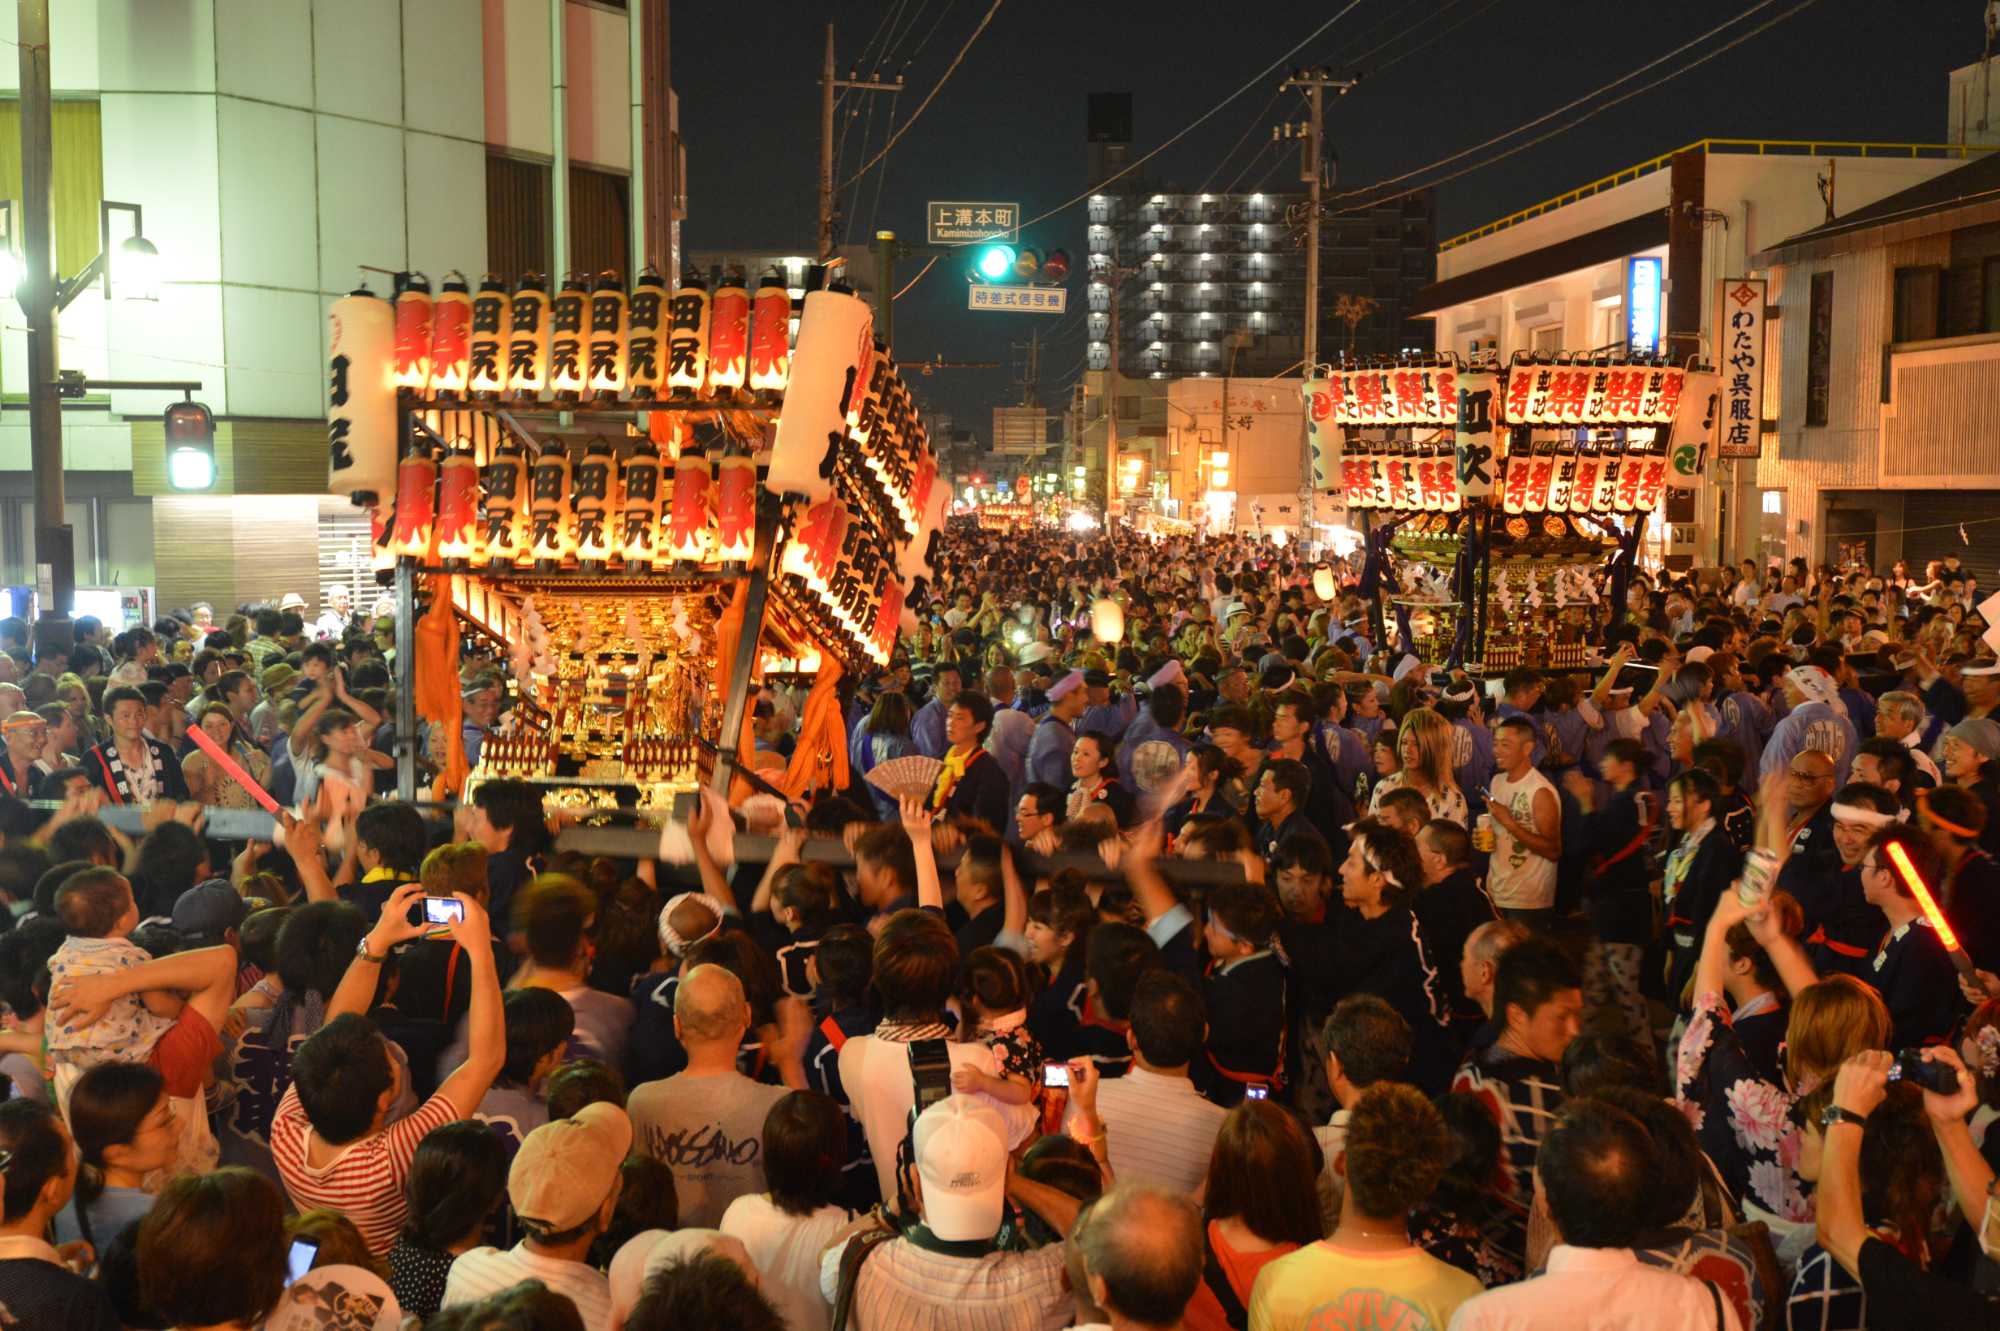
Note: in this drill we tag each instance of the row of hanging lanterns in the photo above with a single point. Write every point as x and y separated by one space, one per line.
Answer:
638 510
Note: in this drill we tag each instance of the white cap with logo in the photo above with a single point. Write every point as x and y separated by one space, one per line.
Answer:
961 1150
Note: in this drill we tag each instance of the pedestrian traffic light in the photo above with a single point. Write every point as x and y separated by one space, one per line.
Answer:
190 444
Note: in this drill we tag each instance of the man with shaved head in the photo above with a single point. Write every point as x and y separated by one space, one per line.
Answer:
1142 1256
1814 857
706 1123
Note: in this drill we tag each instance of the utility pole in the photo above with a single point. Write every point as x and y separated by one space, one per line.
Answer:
1315 82
55 564
829 83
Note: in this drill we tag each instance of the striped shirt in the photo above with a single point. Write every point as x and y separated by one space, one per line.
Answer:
907 1287
365 1179
484 1272
1159 1129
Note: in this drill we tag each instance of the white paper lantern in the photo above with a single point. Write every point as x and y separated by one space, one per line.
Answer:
1323 584
1107 620
361 399
835 333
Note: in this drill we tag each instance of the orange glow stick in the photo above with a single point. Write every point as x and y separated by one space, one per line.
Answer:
232 768
1914 881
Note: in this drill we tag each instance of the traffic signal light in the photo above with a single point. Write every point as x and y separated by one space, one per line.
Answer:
190 441
997 262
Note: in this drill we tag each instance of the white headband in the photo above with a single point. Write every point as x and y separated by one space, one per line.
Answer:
1368 858
1854 813
671 938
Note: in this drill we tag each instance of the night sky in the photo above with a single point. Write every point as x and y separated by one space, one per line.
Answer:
1010 123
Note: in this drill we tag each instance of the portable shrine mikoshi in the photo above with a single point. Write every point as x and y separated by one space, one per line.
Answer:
644 499
1490 495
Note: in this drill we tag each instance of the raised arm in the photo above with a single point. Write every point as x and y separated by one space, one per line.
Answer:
1014 896
791 840
363 975
301 736
486 1031
713 880
1858 1089
1142 871
1601 695
369 716
917 822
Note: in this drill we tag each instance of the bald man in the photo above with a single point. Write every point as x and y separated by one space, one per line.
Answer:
706 1123
1815 858
1142 1256
25 734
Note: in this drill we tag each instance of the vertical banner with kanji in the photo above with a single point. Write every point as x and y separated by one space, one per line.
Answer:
1474 437
1739 345
1321 433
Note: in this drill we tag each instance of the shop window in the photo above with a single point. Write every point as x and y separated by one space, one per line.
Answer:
517 216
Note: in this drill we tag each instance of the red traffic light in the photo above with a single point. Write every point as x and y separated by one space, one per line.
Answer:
1056 267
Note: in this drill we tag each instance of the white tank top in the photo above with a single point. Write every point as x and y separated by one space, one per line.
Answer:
1516 877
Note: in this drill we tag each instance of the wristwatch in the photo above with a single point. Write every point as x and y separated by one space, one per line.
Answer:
1833 1114
361 951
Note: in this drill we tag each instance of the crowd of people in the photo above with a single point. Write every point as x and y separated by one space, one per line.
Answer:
1222 966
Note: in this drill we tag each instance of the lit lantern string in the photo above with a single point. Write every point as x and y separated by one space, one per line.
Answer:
645 326
413 334
688 538
567 311
607 337
416 505
687 337
458 507
502 507
735 508
548 505
592 499
639 541
728 337
528 338
451 330
486 344
770 336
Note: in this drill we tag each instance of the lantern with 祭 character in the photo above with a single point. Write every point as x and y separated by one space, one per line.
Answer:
645 367
451 329
458 507
728 336
548 506
413 334
416 504
592 498
486 344
814 548
639 539
503 508
687 337
607 336
528 338
770 335
735 507
688 532
361 399
567 312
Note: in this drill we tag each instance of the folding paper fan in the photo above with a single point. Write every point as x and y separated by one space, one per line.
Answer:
912 774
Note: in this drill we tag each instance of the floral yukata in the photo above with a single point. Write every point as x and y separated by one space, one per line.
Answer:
1743 1120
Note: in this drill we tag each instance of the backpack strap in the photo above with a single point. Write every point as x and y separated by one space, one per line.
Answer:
851 1257
1715 1297
831 1030
1218 1284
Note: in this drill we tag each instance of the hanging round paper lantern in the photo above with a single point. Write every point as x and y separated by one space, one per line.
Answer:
548 506
1323 583
413 334
835 344
528 338
688 532
607 336
486 345
687 337
735 508
451 328
502 507
568 309
728 336
458 507
639 540
361 399
416 505
593 501
645 326
1107 620
770 335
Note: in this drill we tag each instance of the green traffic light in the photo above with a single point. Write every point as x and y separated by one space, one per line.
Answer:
996 262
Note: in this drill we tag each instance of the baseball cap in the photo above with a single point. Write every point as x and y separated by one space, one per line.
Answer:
961 1150
566 1168
1980 734
208 908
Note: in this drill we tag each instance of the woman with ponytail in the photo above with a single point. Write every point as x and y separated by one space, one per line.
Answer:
125 1129
458 1179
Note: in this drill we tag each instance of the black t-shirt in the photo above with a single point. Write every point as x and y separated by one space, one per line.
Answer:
35 1293
1447 913
1245 1003
1903 1298
979 930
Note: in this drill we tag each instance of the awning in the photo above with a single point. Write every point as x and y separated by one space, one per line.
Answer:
1618 241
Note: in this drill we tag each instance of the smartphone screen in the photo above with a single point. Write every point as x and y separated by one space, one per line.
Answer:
1055 1074
443 910
1257 1092
301 1259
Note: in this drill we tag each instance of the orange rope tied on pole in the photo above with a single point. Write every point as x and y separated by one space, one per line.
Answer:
821 756
436 693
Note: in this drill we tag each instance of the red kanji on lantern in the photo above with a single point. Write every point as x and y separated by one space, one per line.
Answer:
735 508
818 540
687 536
888 616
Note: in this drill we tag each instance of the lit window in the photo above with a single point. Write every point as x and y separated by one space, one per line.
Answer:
1774 502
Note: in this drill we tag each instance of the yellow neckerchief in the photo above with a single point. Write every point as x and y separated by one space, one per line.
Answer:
380 873
956 760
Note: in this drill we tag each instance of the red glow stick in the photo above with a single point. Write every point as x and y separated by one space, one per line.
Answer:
1914 881
233 768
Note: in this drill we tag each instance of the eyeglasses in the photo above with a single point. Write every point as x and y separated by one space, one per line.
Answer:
1797 775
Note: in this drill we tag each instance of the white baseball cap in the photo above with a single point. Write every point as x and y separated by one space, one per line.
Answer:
961 1149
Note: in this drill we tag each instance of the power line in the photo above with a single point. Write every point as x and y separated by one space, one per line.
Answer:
1423 20
1432 40
1255 161
1593 111
943 79
918 278
1573 104
936 23
1238 145
1202 119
